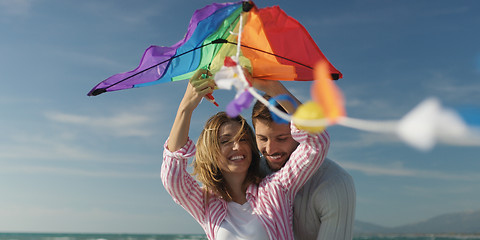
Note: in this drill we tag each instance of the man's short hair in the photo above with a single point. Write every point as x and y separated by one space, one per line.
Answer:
261 112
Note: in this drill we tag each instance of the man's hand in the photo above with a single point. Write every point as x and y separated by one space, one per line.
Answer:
274 88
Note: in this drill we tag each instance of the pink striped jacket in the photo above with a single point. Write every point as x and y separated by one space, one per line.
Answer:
272 200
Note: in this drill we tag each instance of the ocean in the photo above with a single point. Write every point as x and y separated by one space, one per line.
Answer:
96 236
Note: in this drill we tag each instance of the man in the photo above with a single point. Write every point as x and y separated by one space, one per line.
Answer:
324 208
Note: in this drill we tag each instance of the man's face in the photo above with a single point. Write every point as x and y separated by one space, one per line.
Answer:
275 142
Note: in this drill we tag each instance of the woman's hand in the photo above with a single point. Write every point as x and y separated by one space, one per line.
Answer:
197 88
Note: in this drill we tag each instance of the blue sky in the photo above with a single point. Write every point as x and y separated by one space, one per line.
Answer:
72 163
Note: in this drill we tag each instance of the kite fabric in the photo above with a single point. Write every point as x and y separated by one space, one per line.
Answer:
274 46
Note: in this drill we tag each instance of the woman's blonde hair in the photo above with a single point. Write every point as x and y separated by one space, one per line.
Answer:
207 158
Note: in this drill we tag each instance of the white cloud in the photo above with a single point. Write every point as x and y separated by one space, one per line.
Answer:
15 7
385 13
447 12
374 108
129 14
9 100
34 152
398 170
122 124
65 151
29 169
80 145
452 90
440 189
101 219
86 58
364 139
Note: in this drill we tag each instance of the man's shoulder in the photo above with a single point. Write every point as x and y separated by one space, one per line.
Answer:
329 165
328 171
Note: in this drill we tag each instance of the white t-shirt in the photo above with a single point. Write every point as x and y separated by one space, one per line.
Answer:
241 223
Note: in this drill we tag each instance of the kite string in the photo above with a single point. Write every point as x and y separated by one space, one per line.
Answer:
348 122
237 56
239 38
387 126
365 125
250 89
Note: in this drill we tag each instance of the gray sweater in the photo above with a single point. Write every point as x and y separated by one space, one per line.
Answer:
324 209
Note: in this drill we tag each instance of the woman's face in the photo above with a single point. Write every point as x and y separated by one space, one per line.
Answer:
236 153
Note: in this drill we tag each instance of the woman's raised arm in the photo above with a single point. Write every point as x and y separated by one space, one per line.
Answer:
197 88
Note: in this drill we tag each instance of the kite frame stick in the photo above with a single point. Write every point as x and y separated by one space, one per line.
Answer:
102 90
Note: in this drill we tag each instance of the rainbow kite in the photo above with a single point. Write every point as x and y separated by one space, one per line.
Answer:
226 38
274 46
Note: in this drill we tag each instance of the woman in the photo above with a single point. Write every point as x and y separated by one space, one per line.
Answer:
234 202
